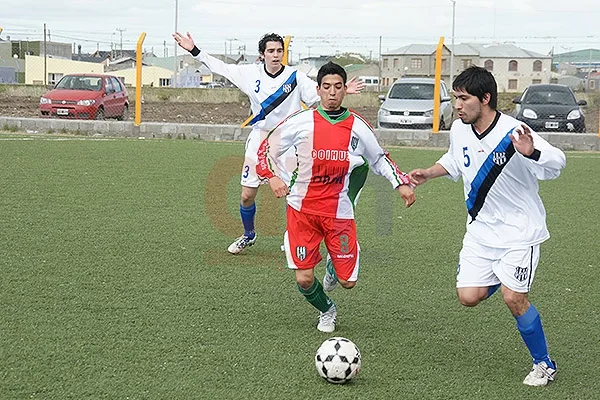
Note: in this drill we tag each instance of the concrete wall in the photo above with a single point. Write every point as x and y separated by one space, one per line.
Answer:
149 130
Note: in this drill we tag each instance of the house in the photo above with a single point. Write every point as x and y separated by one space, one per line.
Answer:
13 53
513 67
315 62
55 68
587 60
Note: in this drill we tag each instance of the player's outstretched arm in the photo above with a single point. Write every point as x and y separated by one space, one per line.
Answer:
420 176
408 194
354 86
185 42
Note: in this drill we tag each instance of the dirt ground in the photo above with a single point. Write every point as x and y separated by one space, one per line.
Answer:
194 113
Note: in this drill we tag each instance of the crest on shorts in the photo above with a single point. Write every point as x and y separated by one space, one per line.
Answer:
287 88
354 142
521 274
499 158
301 252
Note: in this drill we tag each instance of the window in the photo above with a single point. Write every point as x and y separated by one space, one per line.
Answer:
592 84
385 63
395 63
489 65
537 66
416 63
116 84
108 85
466 63
54 78
536 81
164 82
513 65
512 84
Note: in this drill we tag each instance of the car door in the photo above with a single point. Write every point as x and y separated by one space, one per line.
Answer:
120 97
109 98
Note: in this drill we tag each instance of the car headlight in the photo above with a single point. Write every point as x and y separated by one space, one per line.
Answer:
529 113
383 112
428 113
44 100
575 114
85 102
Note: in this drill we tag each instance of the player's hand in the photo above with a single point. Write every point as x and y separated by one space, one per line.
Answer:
522 140
184 42
418 176
408 194
354 86
279 188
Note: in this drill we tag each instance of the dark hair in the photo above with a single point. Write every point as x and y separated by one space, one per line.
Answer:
478 81
269 37
331 69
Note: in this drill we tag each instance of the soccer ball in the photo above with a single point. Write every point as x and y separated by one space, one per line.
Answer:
337 360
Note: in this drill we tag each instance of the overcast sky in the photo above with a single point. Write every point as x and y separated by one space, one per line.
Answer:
319 27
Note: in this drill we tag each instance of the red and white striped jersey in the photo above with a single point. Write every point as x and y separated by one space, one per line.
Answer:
328 152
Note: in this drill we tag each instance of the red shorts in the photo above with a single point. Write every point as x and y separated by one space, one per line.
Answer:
303 236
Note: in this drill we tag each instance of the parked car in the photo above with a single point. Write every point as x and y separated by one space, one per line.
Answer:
409 104
550 108
86 96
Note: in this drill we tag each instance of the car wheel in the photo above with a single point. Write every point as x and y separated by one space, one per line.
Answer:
100 114
442 124
125 115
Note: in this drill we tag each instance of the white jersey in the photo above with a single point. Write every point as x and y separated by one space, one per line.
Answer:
500 184
272 97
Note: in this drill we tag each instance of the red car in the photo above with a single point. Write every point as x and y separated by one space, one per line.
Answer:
86 96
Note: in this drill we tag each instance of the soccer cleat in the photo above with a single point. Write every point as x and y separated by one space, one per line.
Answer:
241 243
540 374
327 320
330 280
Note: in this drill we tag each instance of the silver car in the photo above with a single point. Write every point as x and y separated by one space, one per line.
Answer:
409 105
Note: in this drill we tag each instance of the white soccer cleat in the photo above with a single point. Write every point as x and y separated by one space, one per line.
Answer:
540 374
327 320
330 281
241 243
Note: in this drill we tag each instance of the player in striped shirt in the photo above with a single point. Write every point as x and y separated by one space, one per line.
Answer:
500 161
275 92
332 143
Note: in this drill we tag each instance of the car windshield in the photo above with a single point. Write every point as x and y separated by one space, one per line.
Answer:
80 83
412 91
549 96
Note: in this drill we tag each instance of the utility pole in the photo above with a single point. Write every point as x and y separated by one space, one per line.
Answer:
452 49
379 80
176 64
45 59
121 39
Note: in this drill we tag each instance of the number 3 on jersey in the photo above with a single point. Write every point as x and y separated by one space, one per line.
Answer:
466 155
257 86
246 171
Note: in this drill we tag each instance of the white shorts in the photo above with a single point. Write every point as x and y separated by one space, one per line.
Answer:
482 266
249 176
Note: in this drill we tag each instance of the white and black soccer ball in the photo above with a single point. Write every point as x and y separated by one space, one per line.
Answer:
338 360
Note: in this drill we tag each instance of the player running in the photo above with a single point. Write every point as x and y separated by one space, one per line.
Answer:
332 143
500 161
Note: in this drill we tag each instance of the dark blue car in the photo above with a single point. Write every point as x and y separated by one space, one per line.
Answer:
550 108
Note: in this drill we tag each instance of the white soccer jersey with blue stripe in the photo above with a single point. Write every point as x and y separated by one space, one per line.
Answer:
500 184
272 97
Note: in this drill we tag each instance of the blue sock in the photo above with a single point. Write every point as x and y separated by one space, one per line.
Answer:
492 290
247 214
530 327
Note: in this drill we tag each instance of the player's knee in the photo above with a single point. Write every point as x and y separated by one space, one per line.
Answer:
346 284
248 196
469 299
305 282
518 303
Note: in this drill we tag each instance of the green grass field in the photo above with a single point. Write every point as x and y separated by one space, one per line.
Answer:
115 283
